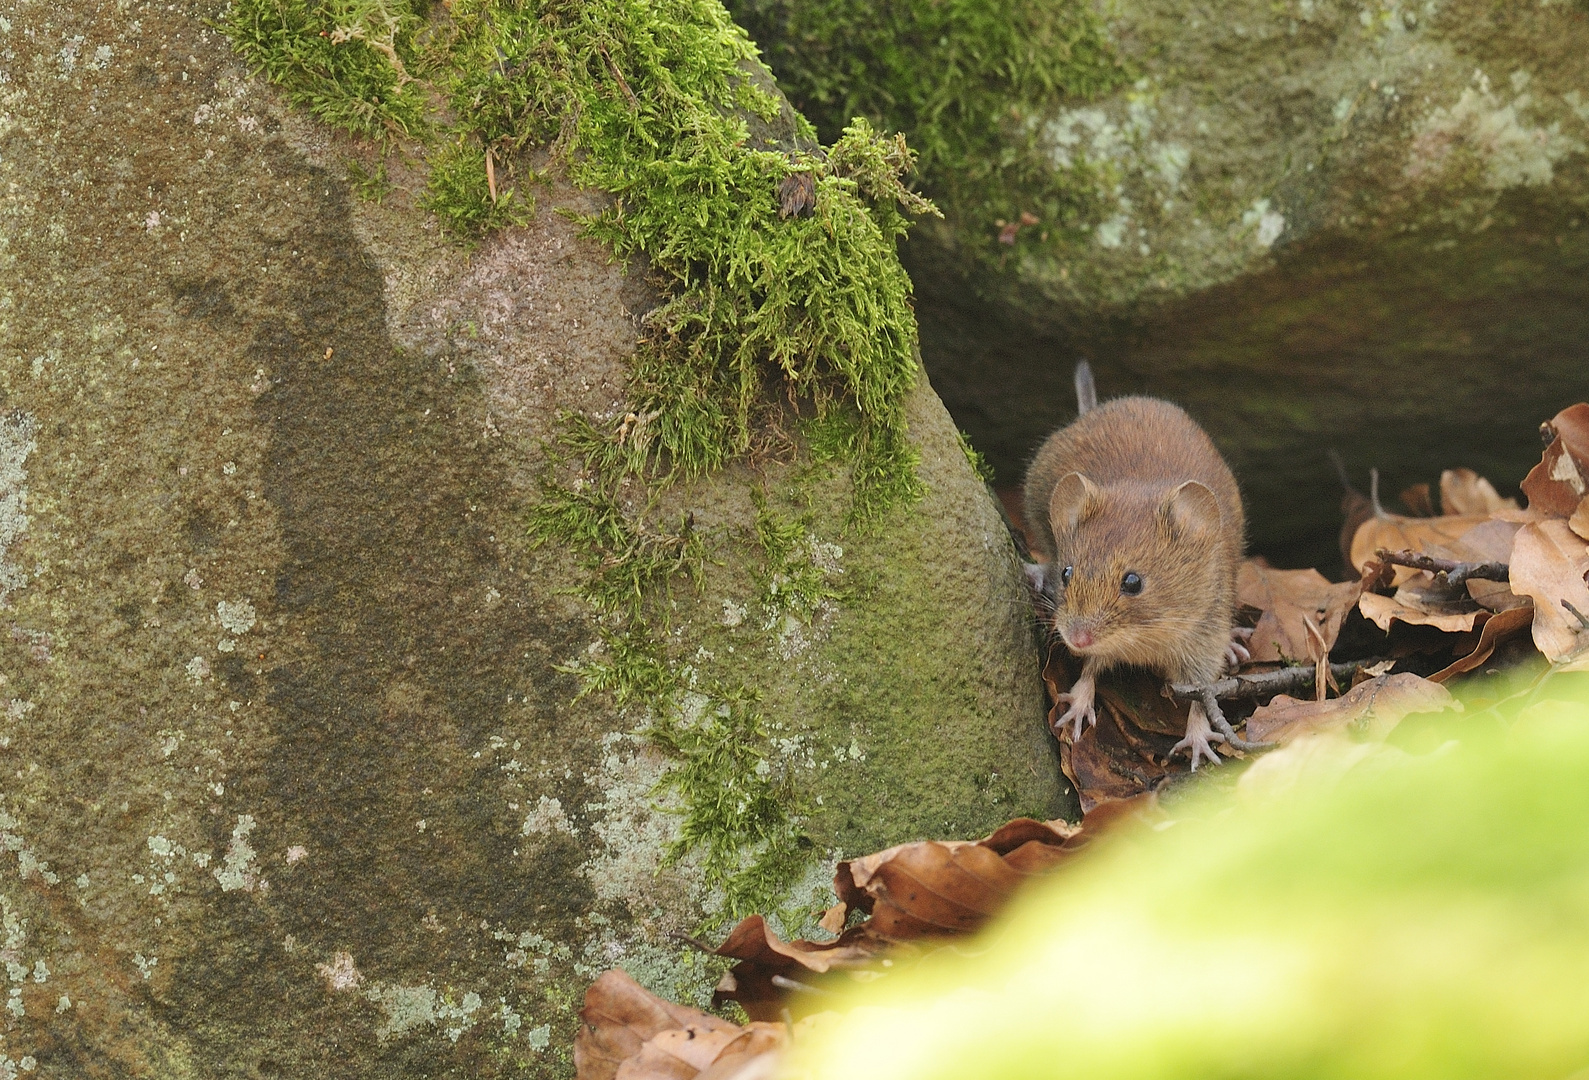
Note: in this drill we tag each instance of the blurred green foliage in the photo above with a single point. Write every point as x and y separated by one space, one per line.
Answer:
1427 916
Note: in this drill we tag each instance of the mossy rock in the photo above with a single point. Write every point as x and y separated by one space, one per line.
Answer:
300 784
1315 223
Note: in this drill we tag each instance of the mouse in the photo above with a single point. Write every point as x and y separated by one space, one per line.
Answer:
1138 527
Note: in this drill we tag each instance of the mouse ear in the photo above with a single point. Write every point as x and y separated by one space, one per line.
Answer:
1190 510
1075 499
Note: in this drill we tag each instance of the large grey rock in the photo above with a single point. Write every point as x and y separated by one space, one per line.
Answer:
1316 223
293 784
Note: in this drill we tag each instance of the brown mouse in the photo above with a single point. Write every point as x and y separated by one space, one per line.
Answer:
1140 523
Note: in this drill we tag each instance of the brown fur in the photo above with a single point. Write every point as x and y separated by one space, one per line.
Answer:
1135 512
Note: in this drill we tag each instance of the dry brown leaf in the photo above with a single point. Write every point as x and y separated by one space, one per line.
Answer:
1491 542
1437 536
620 1017
924 890
797 195
1373 708
936 888
1289 600
1579 522
1407 607
1549 564
763 955
1463 491
1557 484
1123 756
1502 626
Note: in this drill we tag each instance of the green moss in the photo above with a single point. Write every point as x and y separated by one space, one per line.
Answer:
346 61
961 78
652 102
738 802
793 580
738 809
369 185
979 464
459 191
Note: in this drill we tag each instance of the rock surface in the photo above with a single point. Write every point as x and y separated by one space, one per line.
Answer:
295 785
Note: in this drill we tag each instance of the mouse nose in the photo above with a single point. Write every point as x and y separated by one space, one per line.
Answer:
1080 638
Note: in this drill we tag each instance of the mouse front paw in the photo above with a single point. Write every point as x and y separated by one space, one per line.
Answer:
1198 735
1078 708
1236 651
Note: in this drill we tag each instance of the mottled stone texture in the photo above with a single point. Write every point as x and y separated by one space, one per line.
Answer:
1318 223
291 785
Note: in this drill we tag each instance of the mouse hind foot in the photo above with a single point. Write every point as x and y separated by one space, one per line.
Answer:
1199 737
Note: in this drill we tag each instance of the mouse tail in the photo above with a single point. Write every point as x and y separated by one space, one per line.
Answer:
1086 392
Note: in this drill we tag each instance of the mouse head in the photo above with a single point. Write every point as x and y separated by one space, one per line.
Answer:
1135 566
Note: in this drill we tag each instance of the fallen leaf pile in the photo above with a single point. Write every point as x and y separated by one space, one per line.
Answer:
1393 617
1357 657
911 899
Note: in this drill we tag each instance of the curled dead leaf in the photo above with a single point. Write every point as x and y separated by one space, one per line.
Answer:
1372 709
1463 491
936 888
1557 484
797 195
916 892
1409 607
621 1018
1290 600
763 956
1579 522
1549 565
1501 627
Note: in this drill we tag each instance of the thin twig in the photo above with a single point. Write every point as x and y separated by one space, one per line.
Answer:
694 943
1267 683
491 176
634 101
1583 620
1447 570
1216 716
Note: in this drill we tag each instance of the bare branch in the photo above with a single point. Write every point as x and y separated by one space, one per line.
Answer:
1447 571
1265 684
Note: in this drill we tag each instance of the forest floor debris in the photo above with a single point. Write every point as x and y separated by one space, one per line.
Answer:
1335 670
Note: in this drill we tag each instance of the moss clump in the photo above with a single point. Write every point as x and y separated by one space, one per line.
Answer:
961 78
348 62
462 192
650 102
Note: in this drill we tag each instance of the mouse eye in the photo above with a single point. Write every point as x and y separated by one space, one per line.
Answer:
1065 575
1131 584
